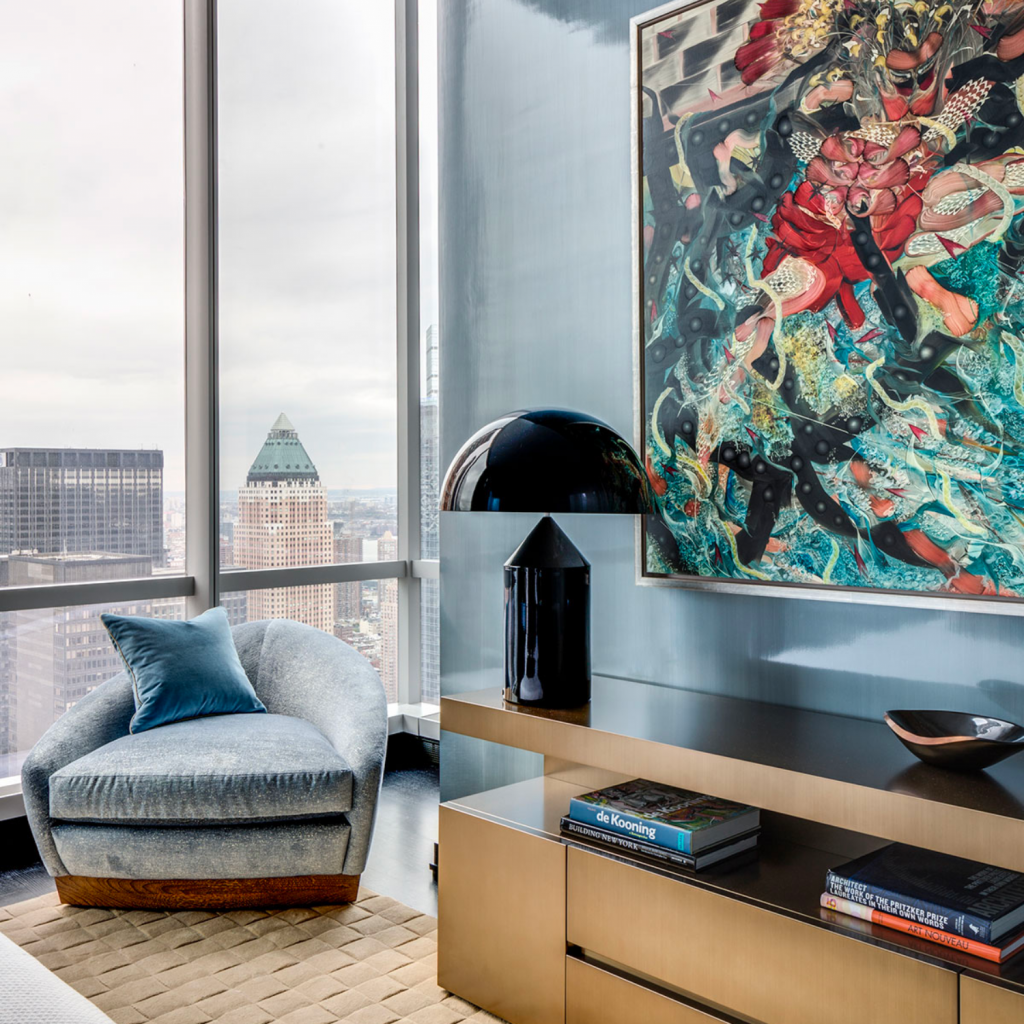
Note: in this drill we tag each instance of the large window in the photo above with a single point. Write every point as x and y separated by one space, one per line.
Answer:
308 359
92 432
308 353
296 252
92 427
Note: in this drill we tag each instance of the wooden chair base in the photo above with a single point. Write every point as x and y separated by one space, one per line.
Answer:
206 893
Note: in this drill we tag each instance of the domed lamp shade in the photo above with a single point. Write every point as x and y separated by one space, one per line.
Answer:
545 461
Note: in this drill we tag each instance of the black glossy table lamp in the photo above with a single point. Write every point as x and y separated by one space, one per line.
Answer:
547 460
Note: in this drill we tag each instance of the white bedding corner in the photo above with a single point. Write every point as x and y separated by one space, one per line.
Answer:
31 994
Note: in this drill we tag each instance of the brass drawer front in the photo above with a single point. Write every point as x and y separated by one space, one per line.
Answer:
757 963
984 1003
595 996
501 918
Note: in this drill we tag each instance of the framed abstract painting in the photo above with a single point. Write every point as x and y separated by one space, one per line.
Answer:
829 305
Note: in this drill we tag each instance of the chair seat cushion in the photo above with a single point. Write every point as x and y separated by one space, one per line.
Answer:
227 770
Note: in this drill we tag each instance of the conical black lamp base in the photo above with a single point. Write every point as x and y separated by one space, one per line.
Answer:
547 621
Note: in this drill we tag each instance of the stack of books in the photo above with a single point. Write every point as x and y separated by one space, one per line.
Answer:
971 907
675 826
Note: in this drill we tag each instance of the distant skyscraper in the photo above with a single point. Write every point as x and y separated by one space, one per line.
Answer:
8 699
430 641
282 521
57 500
430 486
387 551
433 361
347 596
59 654
68 515
236 604
430 469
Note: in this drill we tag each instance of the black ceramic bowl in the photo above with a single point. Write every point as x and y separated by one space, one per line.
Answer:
953 739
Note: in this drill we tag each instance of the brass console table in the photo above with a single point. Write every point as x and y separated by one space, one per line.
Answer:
539 930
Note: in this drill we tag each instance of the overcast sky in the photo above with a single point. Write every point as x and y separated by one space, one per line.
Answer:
91 229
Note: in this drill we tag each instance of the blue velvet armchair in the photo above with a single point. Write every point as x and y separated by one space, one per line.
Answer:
226 811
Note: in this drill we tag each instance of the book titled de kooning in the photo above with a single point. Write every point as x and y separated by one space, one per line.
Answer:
677 819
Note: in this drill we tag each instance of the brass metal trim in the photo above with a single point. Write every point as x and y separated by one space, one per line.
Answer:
597 994
993 836
985 1003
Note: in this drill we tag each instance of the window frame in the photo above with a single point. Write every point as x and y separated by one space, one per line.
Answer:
204 581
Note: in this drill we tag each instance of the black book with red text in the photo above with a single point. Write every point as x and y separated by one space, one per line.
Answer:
963 897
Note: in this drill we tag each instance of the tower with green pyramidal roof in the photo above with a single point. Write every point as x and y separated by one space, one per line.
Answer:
282 522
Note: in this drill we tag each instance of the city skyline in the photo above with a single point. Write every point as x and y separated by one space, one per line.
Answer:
85 504
51 657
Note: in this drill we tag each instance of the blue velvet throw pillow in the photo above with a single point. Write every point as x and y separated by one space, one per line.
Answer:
181 670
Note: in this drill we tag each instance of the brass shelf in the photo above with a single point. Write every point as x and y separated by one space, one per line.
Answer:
843 772
785 877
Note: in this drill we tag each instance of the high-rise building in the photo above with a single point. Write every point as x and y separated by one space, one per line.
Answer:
387 551
56 500
430 486
236 604
430 469
8 700
282 522
59 654
348 601
433 362
68 515
430 641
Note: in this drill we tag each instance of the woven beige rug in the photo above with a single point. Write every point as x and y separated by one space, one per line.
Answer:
372 962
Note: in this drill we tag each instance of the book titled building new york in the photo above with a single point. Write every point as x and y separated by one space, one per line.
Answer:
676 819
963 897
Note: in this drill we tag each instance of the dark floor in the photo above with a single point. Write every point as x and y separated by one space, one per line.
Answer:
399 865
404 837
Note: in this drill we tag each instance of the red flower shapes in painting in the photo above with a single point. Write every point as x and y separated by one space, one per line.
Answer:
850 176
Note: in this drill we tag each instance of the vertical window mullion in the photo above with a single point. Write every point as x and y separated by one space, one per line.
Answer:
408 340
202 507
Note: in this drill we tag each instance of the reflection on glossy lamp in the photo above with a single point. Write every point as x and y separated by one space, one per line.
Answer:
547 460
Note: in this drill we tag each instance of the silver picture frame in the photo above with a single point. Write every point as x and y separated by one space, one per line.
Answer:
930 601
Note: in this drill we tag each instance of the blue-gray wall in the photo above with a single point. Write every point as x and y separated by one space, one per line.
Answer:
535 311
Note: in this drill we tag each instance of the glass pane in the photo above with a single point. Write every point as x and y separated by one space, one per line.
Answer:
50 658
430 641
92 471
430 378
369 622
307 282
